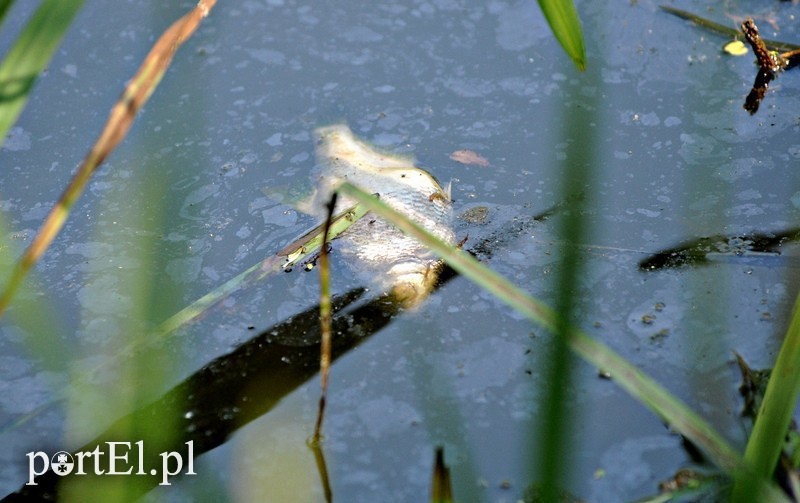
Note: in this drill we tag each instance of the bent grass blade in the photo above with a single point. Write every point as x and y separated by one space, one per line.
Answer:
631 379
120 119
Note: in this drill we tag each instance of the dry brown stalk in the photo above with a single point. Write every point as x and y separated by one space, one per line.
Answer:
771 60
769 64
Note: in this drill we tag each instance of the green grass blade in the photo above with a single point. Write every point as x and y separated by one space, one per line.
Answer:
30 54
566 26
5 5
631 379
549 443
775 414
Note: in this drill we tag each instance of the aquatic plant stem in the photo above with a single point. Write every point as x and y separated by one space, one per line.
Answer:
324 319
441 486
120 119
627 376
322 468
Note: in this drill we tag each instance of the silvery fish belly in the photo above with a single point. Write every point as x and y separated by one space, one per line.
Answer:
374 248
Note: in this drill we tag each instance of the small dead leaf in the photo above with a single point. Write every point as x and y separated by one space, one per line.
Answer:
469 157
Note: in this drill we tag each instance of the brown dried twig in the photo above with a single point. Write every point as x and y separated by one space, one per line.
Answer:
769 62
766 58
325 321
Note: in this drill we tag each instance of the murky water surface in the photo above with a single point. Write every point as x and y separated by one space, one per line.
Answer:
181 207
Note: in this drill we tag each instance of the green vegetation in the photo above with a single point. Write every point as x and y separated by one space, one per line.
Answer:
30 55
566 26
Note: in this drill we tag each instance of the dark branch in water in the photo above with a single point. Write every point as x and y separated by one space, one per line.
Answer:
759 90
766 58
769 62
773 56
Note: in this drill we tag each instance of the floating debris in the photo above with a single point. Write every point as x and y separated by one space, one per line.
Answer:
469 157
735 48
475 215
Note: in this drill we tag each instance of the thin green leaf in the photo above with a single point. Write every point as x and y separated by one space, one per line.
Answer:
30 54
775 413
631 379
566 26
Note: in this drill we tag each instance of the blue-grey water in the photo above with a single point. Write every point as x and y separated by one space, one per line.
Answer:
182 206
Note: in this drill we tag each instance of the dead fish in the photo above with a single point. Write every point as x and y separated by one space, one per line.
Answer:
374 248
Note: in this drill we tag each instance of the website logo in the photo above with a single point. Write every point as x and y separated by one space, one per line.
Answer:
111 458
